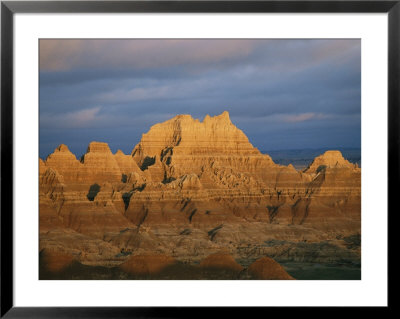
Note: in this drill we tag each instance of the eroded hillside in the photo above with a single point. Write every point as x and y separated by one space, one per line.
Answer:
190 189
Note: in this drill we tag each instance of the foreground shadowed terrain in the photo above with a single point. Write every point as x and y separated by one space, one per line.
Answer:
220 266
195 200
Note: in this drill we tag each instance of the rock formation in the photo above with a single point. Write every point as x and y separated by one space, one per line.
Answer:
188 189
330 159
54 261
222 261
268 269
147 264
100 165
65 163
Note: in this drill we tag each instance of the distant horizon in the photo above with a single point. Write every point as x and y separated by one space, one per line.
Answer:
115 150
283 94
288 156
263 151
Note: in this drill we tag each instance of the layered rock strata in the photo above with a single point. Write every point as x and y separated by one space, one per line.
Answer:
185 184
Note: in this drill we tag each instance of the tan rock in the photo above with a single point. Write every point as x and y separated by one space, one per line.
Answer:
185 145
65 163
330 159
100 164
42 166
201 177
126 163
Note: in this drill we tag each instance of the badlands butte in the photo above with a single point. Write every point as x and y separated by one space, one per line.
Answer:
194 200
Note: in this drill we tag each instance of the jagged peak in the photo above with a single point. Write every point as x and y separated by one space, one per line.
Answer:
119 152
62 148
187 119
291 167
183 116
217 132
223 117
331 158
332 154
177 119
61 151
98 147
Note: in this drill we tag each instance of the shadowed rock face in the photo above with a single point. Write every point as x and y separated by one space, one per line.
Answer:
219 266
55 261
268 269
188 189
147 264
221 261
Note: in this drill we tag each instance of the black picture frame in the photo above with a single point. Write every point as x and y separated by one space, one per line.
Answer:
9 8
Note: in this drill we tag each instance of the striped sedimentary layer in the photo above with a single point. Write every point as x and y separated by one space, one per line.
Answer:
188 174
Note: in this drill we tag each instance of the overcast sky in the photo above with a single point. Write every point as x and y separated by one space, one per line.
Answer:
284 94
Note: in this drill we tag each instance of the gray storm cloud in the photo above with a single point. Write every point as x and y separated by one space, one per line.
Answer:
283 94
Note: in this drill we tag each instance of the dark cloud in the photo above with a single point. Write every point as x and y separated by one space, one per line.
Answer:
282 93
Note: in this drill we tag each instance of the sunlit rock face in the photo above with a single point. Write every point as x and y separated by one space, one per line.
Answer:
64 162
100 165
184 145
330 159
126 164
187 189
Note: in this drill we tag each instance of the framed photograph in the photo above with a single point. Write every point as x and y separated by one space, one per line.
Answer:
160 155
